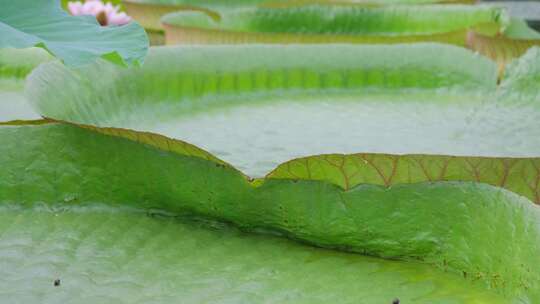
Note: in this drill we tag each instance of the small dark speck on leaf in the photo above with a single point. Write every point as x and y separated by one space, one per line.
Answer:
396 301
57 282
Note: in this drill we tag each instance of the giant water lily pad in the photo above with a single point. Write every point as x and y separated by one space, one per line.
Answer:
435 179
334 23
484 29
149 12
15 65
111 255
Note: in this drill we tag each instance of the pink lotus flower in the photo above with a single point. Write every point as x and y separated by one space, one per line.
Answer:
106 14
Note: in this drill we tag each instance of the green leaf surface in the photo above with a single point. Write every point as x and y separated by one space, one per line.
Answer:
519 29
371 101
455 204
75 40
338 23
149 12
522 77
114 2
246 3
460 227
184 80
347 171
142 258
14 106
15 65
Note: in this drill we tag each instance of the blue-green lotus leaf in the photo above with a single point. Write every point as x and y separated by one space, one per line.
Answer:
75 40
